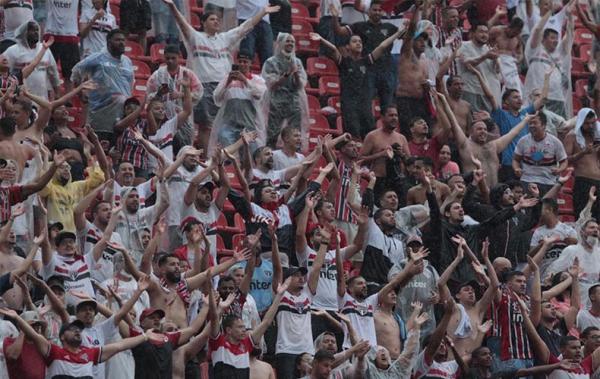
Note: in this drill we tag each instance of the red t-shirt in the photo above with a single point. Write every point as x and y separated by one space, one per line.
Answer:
182 253
9 196
29 365
431 148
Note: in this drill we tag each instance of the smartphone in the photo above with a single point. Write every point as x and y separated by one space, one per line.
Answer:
235 67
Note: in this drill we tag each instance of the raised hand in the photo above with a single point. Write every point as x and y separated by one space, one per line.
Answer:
310 200
242 255
314 36
592 194
327 169
59 158
533 189
527 202
532 265
153 336
143 283
284 286
420 254
363 216
18 210
420 320
49 42
224 304
485 249
417 306
575 270
6 312
485 327
272 9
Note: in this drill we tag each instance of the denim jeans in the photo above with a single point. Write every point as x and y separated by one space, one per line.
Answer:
381 83
259 40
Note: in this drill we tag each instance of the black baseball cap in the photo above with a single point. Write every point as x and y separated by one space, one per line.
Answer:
292 270
75 323
56 224
64 235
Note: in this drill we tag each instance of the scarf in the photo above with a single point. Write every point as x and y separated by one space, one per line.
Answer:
181 288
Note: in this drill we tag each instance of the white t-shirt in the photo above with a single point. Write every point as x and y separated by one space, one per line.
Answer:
45 72
540 61
7 329
16 13
102 269
276 176
281 160
538 158
163 139
178 184
62 18
97 336
360 314
294 332
209 223
447 369
326 297
487 68
248 8
130 226
562 230
586 319
96 39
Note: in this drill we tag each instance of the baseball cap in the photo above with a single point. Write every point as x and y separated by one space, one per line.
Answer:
187 222
55 281
414 239
33 317
150 311
83 302
292 270
64 235
75 323
56 224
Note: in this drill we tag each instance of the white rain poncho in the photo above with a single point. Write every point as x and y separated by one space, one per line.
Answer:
239 109
45 75
286 103
540 61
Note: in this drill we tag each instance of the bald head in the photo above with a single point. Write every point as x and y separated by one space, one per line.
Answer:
501 265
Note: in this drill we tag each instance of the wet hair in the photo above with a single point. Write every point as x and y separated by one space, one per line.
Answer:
507 94
172 49
516 23
476 24
8 126
288 131
511 274
113 32
552 204
229 320
163 259
451 79
565 340
390 106
427 162
323 355
587 331
207 14
226 278
259 151
542 117
547 33
414 120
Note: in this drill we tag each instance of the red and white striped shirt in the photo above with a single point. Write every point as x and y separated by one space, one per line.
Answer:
63 363
508 323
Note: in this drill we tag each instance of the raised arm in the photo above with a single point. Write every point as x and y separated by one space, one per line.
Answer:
536 34
85 203
385 44
107 234
267 320
440 331
315 270
39 341
28 69
186 110
41 181
186 29
503 142
484 86
334 52
407 45
539 347
335 22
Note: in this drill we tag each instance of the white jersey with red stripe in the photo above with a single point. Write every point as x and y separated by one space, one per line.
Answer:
63 363
342 209
294 332
427 367
360 314
144 190
16 13
208 221
509 324
163 139
74 271
103 268
226 356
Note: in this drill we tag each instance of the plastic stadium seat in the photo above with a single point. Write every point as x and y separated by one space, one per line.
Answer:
195 21
310 90
335 103
139 89
585 52
576 104
300 11
568 187
301 27
313 104
581 87
134 50
318 125
321 66
221 250
376 108
237 241
583 36
157 51
75 117
141 69
578 69
565 204
306 46
329 86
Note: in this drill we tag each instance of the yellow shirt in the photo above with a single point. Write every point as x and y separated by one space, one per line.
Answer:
62 200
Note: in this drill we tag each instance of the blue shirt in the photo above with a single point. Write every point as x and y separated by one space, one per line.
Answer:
506 121
261 286
113 76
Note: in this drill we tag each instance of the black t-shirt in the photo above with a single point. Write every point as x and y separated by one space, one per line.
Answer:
353 77
551 338
281 21
372 35
154 361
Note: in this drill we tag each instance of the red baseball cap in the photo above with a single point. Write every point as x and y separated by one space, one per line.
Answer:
150 311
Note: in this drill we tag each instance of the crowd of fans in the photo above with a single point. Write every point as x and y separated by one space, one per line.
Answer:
308 189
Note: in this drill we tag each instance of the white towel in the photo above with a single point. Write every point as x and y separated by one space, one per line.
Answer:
579 138
464 328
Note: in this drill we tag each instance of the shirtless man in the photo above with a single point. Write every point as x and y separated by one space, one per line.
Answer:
418 193
260 369
479 147
10 148
460 107
387 329
378 143
413 86
469 338
507 40
583 151
165 291
11 263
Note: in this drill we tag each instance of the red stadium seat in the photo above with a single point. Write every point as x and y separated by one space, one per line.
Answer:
581 87
306 46
583 36
376 108
585 52
237 241
578 69
221 250
321 66
141 69
140 89
313 104
299 11
75 117
318 123
135 51
301 27
565 204
329 86
195 21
